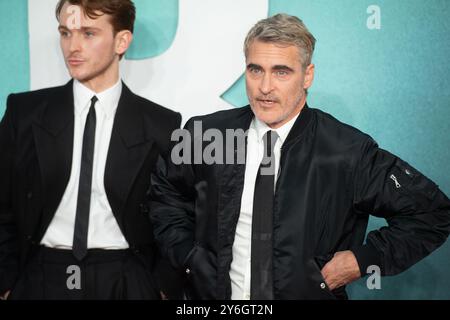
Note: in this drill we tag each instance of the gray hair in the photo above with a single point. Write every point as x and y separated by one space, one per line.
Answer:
285 30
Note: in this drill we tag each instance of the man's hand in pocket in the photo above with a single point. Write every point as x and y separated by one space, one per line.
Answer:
341 270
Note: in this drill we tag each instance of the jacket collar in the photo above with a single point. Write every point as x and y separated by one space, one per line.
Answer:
298 129
300 126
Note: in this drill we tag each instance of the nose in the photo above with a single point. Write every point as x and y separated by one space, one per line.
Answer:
75 42
266 84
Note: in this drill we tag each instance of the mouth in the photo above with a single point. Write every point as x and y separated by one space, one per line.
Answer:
75 62
267 102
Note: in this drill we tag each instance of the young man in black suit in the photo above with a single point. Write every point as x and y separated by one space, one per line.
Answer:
75 168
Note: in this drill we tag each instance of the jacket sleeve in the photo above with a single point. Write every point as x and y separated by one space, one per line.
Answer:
417 212
8 232
172 201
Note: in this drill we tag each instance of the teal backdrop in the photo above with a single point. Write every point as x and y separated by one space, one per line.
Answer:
392 83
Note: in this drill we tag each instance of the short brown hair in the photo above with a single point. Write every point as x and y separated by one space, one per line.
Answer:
123 12
283 29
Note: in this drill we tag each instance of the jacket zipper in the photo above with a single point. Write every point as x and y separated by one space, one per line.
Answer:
394 178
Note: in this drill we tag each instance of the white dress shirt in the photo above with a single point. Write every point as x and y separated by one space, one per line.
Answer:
103 232
240 266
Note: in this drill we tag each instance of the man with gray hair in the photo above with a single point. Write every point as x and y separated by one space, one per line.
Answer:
290 222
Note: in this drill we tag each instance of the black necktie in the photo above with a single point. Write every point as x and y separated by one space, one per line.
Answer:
261 285
80 235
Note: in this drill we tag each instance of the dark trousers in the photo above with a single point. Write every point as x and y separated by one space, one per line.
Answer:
103 275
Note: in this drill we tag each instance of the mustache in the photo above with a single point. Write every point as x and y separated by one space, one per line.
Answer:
267 98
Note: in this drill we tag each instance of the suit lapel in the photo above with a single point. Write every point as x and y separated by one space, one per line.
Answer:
128 149
53 137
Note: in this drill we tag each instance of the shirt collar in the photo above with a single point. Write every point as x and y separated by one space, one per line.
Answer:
108 100
283 131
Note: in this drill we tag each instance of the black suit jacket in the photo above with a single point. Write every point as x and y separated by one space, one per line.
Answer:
332 177
36 145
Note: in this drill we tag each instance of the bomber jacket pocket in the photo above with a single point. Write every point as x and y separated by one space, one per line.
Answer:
201 270
410 183
319 282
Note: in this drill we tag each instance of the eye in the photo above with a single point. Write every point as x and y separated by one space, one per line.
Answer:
281 73
89 34
255 70
64 34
